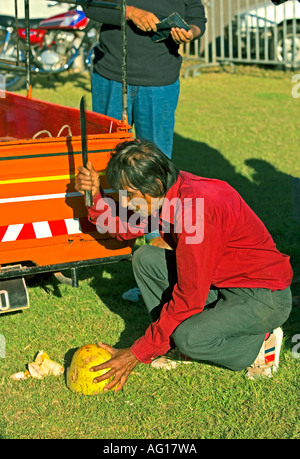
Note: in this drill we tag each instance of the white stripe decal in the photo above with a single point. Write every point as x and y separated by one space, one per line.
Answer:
73 225
42 197
42 229
12 232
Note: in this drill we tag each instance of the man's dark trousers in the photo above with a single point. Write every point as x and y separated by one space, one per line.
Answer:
231 328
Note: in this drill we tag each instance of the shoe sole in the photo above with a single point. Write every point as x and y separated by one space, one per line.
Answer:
167 363
271 365
163 363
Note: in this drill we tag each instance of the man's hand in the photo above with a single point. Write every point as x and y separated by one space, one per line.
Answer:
121 365
181 36
144 20
87 179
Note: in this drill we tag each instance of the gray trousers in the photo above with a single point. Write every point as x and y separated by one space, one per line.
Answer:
231 328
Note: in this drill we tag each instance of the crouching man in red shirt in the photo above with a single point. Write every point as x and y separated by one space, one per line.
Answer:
222 291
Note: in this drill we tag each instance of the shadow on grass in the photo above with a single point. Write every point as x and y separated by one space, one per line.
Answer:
68 358
119 278
56 81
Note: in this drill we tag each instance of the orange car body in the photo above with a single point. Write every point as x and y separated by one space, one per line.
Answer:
43 219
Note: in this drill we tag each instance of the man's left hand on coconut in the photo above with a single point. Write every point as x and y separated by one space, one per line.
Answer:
121 365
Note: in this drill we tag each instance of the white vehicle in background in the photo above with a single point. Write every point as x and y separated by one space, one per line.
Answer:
39 9
267 32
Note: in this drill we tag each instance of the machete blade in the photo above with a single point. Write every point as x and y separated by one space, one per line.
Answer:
88 194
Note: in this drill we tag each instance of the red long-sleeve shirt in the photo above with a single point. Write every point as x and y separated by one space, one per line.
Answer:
218 241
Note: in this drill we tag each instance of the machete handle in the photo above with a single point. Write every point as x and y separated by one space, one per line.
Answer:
88 199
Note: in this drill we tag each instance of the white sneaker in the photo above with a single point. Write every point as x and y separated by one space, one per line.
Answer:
170 360
267 361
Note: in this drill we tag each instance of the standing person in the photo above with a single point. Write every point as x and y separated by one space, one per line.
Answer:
221 294
153 68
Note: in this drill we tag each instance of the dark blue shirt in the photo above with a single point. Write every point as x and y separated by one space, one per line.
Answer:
148 63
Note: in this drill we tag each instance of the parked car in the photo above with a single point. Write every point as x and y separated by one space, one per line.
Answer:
39 9
267 32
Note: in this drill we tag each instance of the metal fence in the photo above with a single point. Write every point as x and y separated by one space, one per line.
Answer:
247 31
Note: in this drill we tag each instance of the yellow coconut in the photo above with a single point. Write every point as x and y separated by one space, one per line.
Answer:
79 376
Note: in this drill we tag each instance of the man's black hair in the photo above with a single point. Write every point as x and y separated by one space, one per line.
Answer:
141 165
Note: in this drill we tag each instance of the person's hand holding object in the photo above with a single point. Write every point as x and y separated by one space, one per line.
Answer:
144 20
121 364
87 179
181 36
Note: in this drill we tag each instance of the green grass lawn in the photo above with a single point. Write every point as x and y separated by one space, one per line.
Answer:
242 128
